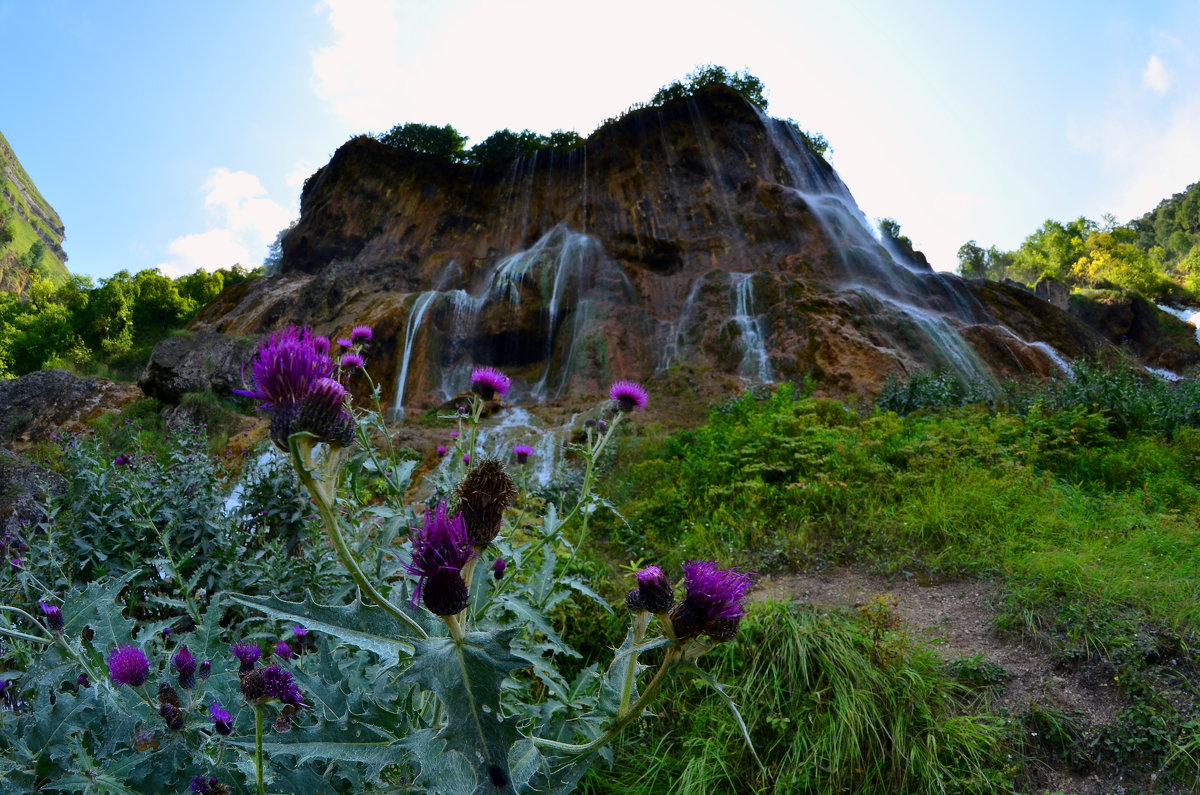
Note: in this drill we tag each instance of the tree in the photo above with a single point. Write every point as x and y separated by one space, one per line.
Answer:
742 82
504 146
972 261
425 139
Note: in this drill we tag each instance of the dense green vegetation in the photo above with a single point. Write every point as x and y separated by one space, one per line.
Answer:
504 146
107 329
1157 255
1079 499
24 255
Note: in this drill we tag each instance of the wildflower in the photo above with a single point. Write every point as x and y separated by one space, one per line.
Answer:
205 669
483 495
320 345
128 666
440 549
292 378
208 786
122 460
360 335
283 651
522 452
345 343
324 413
82 680
441 450
713 605
185 664
629 395
453 434
271 683
352 361
654 593
466 458
488 382
498 568
171 708
53 614
248 654
300 632
222 720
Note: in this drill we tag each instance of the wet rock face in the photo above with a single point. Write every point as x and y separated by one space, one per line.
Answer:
699 234
39 404
1156 337
195 363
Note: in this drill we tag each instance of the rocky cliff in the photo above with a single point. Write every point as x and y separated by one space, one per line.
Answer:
701 235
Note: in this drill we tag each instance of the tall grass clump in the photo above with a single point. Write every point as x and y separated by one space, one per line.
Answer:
839 706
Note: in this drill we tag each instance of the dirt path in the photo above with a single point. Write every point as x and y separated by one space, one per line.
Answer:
958 619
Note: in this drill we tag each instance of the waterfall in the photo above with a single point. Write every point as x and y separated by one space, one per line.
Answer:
411 326
1054 356
1188 314
496 437
755 363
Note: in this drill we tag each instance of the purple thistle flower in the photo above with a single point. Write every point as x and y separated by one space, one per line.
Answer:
185 664
441 450
466 458
128 666
82 680
122 460
247 653
629 395
205 669
453 434
352 361
360 335
263 684
324 413
522 452
321 345
498 567
15 564
440 549
345 343
285 367
654 592
300 632
488 382
222 720
283 651
53 614
713 605
202 785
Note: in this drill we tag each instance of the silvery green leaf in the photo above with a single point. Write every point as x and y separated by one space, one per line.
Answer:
441 770
712 682
467 678
362 625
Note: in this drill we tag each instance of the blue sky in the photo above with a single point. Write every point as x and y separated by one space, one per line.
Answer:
177 135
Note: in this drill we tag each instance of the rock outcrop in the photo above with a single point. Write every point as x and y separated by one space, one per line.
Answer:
700 234
1157 338
195 362
42 403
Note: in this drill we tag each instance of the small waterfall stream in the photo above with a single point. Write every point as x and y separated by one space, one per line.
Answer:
755 363
411 326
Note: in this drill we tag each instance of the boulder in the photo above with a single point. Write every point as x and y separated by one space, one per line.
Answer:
22 484
37 405
1127 319
1053 291
195 362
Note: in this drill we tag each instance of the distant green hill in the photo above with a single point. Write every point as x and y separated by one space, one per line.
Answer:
27 220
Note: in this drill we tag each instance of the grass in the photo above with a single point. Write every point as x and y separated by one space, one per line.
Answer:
1081 501
831 705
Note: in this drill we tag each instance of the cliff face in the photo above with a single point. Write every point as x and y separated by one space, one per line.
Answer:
701 236
31 218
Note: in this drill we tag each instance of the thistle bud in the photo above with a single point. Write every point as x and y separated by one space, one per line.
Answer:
185 665
655 593
54 618
483 495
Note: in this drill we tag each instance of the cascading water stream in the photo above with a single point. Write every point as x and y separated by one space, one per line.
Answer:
1054 356
411 326
755 362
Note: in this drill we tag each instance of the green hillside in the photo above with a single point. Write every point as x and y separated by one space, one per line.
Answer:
31 233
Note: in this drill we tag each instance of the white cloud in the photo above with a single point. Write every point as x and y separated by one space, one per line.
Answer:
361 69
243 222
1156 76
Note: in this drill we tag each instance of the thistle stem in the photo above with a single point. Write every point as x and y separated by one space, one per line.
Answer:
672 656
456 630
639 633
325 507
258 750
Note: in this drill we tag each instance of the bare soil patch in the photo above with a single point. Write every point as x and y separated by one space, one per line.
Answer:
959 619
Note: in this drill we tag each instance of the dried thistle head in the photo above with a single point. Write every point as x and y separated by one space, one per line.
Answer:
482 497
